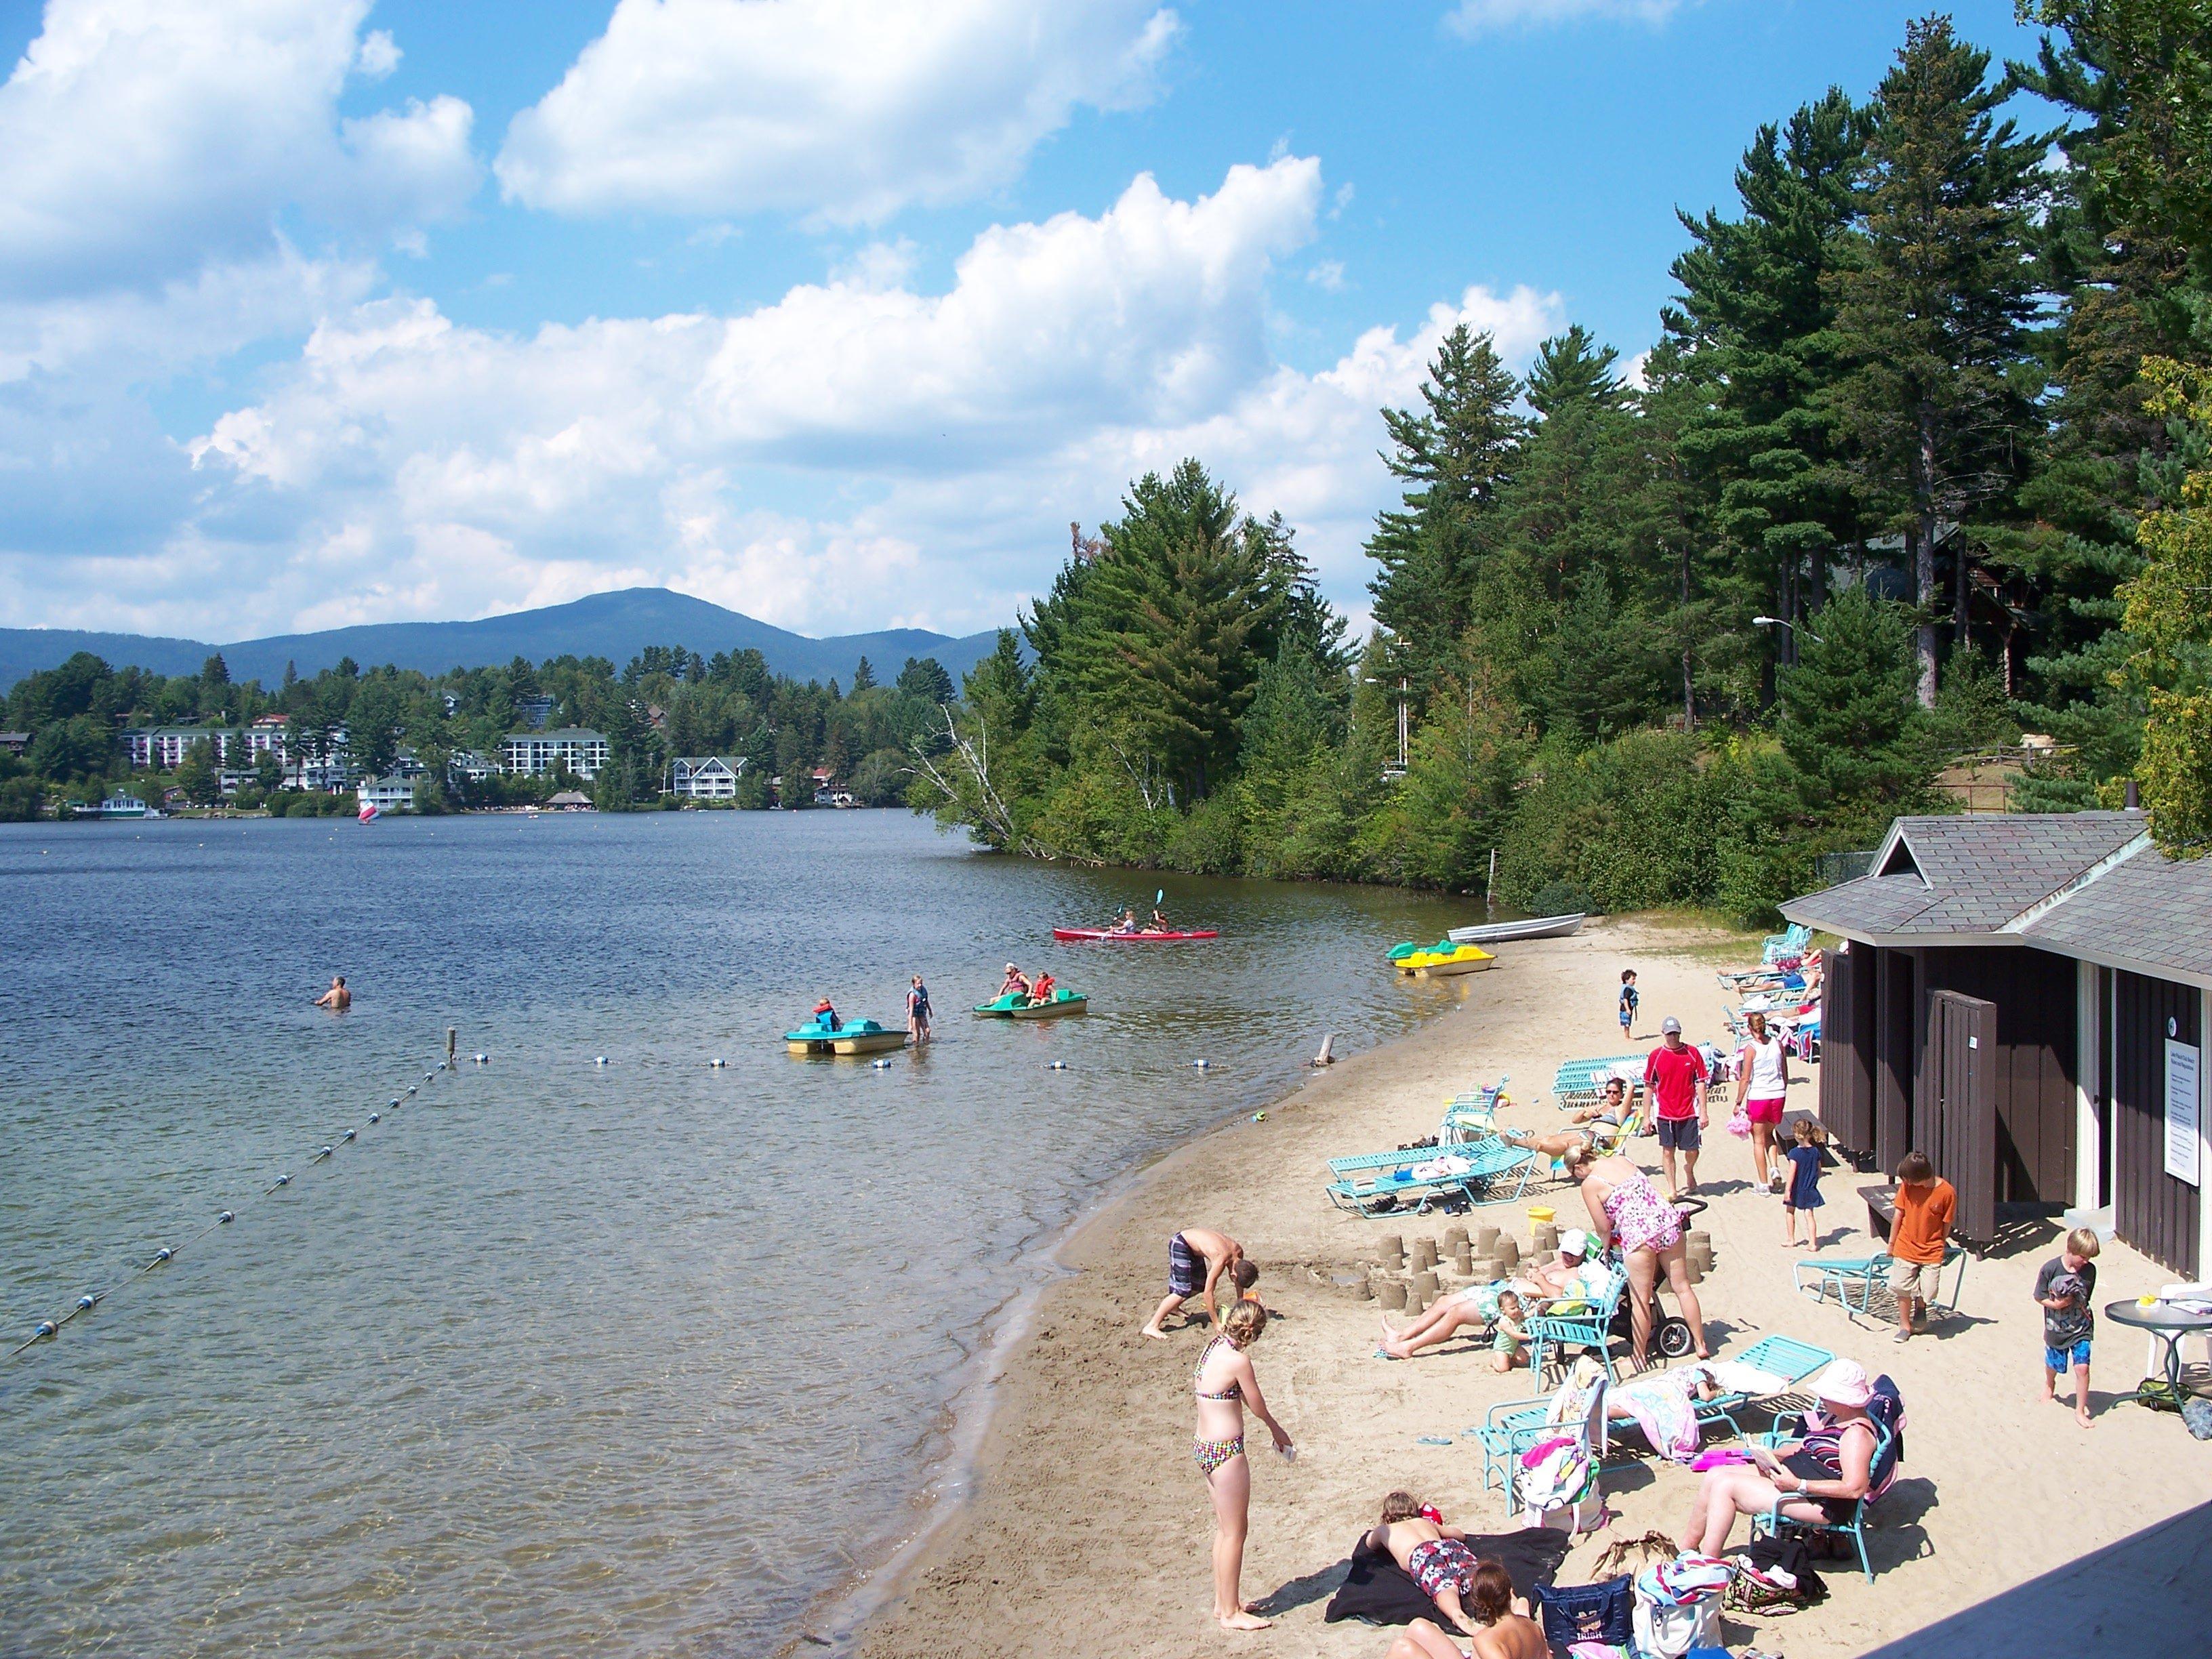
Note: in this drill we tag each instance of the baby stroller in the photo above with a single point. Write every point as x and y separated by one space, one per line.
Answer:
1670 1331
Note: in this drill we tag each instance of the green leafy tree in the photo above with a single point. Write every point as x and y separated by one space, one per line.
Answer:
197 777
2171 624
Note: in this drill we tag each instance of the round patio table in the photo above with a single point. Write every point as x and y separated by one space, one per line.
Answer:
2169 1324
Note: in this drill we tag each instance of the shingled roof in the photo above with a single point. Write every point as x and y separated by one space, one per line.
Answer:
2151 909
2088 885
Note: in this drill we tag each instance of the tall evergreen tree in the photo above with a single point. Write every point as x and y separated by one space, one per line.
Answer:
1934 303
1455 455
1753 323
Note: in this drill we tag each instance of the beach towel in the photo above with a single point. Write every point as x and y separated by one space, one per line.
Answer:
1660 1405
1379 1591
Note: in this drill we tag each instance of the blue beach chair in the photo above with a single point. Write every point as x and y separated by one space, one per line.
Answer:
1579 1081
1551 1334
1853 1524
1816 1276
1385 1184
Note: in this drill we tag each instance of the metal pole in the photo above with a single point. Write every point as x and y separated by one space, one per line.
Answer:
1401 723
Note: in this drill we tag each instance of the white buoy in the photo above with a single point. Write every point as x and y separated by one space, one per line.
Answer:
717 1064
483 1060
1201 1065
1056 1065
879 1065
601 1060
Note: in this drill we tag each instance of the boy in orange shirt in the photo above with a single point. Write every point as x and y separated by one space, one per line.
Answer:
1925 1206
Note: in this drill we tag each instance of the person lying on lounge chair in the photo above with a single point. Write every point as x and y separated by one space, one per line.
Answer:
1612 1109
1562 1271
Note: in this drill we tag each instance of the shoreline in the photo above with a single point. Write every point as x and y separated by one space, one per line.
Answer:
1082 1530
850 1612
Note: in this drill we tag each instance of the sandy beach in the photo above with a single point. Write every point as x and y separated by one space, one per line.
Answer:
1088 1528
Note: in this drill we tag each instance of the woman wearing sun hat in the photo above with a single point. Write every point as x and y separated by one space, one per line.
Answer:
1817 1478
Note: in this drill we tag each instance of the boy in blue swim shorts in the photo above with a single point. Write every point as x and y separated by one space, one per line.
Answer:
2064 1287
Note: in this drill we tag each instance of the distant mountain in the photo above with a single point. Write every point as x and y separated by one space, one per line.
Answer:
615 626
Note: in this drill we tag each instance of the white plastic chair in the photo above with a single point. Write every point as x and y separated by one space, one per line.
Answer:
2155 1358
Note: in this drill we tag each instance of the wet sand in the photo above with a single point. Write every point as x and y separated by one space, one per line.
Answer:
1088 1529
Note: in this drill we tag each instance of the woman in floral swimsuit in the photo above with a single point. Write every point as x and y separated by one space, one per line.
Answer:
1225 1384
1625 1209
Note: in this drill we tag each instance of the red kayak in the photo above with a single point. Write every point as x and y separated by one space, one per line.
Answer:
1107 935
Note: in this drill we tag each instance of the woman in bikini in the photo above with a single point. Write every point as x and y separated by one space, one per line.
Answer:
1818 1478
1225 1384
1626 1208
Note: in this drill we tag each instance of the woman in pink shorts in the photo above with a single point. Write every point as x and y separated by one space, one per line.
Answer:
1762 1088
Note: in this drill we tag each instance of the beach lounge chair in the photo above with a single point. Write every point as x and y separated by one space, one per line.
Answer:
1784 1357
1473 1172
1551 1334
1787 946
1853 1525
1578 1081
1512 1427
1817 1276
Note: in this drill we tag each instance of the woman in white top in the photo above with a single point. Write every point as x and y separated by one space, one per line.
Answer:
1762 1088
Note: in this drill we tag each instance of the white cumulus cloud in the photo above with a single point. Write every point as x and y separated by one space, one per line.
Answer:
143 138
843 110
1472 17
855 453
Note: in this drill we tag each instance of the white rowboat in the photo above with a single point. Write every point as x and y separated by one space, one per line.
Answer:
1536 927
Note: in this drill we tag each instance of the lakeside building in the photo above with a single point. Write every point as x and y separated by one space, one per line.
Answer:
469 766
163 748
533 712
321 777
570 801
2025 998
583 752
704 777
15 743
388 794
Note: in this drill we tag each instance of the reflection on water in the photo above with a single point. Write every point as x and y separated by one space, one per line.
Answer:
560 1358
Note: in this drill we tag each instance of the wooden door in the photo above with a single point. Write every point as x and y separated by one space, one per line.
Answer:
1962 1140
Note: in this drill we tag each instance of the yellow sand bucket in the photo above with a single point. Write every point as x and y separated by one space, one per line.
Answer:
1539 1214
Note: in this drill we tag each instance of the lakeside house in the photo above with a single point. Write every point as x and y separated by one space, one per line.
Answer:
704 777
2025 998
116 806
570 801
15 743
393 794
583 752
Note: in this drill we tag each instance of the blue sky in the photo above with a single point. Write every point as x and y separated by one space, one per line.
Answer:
315 312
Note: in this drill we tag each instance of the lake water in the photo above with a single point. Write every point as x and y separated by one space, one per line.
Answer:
646 1358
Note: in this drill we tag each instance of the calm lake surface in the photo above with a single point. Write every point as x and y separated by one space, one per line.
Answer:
559 1357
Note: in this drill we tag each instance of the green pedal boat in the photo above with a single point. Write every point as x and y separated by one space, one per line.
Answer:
854 1037
1014 1006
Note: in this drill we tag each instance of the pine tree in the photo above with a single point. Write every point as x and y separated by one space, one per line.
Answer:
864 678
2171 624
1753 324
1457 454
1934 302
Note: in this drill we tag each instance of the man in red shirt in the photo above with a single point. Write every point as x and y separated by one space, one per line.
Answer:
1675 1081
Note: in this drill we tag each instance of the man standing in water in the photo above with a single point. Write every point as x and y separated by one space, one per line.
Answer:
1674 1083
337 999
1197 1257
917 1012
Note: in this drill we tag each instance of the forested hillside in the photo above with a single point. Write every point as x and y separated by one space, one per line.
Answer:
1915 464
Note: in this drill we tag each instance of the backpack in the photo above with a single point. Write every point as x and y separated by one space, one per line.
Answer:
1774 1576
1604 1611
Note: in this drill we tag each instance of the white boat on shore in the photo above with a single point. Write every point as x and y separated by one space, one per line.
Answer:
1497 933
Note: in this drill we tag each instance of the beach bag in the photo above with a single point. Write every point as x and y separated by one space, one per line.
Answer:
1604 1611
1774 1576
1739 1123
1555 1474
1678 1604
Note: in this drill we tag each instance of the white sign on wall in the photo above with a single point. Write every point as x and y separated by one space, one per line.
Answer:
2181 1111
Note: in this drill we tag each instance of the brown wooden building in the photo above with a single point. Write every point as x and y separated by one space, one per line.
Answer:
2025 998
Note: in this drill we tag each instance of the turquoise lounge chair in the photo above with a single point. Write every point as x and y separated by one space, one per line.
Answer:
1377 1184
1512 1427
1588 1329
1580 1080
1852 1525
1783 1355
1790 942
1818 1275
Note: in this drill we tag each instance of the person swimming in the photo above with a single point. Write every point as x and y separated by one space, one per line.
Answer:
337 999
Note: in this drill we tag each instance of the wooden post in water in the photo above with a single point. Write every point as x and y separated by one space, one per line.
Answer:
453 1035
1490 886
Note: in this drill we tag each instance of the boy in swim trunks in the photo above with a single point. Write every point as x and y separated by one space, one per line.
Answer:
1436 1558
1197 1257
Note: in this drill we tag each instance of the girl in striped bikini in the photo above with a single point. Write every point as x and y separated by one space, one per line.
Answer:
1225 1384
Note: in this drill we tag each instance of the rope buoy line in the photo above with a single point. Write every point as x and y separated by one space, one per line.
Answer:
49 1328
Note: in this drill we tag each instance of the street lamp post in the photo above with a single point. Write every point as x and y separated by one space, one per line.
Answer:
1780 621
1402 688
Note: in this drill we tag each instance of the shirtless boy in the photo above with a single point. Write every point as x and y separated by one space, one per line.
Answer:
1436 1558
1197 1257
337 999
1506 1632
